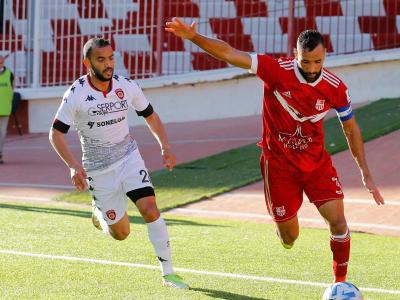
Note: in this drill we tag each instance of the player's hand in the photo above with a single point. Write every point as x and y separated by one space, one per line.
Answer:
169 159
372 189
181 29
78 178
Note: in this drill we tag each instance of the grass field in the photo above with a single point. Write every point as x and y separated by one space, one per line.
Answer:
202 245
223 172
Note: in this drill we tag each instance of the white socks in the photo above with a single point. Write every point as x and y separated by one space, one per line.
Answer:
158 236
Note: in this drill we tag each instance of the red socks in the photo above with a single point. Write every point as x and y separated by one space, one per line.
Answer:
340 246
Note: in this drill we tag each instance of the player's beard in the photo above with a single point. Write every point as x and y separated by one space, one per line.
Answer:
99 74
310 77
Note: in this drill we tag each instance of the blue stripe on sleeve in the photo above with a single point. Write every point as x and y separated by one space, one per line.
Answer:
344 108
345 118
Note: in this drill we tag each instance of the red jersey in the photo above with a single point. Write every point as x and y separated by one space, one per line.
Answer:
293 111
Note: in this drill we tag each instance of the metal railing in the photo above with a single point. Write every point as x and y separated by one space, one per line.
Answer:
43 39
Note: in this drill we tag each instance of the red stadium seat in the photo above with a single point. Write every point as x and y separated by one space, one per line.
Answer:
65 27
170 42
11 42
140 65
203 61
251 8
20 8
323 8
386 41
61 68
231 31
372 24
392 7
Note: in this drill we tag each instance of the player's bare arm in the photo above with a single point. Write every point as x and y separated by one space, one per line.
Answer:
78 174
157 129
354 139
217 48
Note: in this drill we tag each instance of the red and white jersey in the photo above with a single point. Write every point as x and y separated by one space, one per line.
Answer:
101 120
293 111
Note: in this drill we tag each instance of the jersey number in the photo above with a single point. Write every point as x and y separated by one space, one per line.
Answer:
146 178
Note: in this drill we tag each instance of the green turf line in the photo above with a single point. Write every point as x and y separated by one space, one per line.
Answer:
235 168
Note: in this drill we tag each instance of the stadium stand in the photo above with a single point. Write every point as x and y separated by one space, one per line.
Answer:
131 25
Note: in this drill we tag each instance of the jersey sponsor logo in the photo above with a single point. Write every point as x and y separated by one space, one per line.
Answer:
90 98
319 105
338 185
107 108
111 214
280 211
105 123
295 140
120 93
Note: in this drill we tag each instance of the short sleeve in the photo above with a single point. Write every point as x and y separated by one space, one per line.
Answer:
67 110
343 107
139 100
264 66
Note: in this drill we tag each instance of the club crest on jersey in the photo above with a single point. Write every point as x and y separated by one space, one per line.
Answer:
319 105
111 214
120 93
280 211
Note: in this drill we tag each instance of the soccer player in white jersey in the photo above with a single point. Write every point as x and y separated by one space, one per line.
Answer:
97 105
298 93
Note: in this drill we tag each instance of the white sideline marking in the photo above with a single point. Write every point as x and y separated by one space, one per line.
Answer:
34 185
267 217
183 270
260 196
9 197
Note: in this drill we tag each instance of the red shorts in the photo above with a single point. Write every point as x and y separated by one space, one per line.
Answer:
284 187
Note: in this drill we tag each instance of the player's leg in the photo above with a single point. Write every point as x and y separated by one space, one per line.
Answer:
288 232
3 133
324 190
109 205
283 196
333 213
139 189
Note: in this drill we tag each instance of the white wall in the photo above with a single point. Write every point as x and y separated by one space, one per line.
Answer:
232 92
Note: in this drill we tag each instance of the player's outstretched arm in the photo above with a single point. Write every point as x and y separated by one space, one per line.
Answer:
158 130
78 174
356 145
217 48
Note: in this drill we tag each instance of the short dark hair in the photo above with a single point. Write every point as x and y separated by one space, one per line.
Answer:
94 43
309 39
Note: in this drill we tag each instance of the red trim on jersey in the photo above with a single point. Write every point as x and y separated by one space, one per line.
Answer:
95 88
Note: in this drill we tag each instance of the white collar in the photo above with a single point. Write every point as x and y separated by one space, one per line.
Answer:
302 79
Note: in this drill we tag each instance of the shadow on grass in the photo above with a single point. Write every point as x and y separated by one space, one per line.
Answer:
225 295
87 214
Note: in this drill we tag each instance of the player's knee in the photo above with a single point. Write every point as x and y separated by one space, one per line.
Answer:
288 237
338 225
150 214
120 235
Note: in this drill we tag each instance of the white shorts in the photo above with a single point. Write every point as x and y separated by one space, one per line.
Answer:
109 189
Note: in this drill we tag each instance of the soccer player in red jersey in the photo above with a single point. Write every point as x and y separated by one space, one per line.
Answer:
298 93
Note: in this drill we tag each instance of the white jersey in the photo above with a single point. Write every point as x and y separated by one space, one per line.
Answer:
101 119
